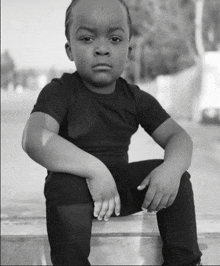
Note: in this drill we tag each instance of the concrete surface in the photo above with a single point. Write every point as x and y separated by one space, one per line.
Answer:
132 240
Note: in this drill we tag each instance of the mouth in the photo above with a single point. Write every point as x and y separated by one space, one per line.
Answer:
103 67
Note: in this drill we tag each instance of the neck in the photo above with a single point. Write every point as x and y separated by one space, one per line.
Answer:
101 90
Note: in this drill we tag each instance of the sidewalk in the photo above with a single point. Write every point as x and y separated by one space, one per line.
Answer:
137 242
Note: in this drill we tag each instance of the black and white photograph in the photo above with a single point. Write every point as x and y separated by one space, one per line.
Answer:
110 132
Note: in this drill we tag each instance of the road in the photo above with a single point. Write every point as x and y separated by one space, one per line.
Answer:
22 179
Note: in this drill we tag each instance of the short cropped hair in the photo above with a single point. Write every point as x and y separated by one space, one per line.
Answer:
74 2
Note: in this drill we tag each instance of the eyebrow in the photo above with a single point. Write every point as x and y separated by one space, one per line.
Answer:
110 30
85 28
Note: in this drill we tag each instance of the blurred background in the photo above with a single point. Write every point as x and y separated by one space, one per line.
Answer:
175 57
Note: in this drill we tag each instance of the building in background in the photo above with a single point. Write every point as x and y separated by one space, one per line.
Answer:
190 94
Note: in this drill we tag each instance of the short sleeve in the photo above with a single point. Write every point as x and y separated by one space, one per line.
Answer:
150 113
53 100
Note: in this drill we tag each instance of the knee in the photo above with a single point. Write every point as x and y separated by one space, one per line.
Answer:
185 179
66 189
185 187
186 175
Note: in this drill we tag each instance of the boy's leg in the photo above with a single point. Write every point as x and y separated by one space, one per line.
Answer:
177 224
69 233
69 210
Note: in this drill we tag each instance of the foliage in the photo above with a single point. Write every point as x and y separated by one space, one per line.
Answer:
164 36
7 69
27 78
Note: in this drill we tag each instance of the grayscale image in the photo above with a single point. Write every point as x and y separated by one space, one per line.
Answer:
110 132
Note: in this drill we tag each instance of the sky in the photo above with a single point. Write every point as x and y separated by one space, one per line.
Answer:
33 32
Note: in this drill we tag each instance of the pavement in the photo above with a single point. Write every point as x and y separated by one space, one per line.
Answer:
132 240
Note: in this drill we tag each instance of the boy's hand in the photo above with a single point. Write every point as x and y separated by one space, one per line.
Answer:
163 184
105 194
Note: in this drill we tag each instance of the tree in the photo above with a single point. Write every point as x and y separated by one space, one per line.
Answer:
7 69
163 41
27 78
166 36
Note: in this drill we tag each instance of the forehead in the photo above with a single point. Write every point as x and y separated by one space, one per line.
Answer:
99 14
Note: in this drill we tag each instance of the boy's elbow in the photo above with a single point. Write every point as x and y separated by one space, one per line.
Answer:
26 142
27 147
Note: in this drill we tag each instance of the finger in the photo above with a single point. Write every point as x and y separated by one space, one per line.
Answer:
170 201
149 197
111 206
144 183
97 208
163 203
117 205
155 202
103 210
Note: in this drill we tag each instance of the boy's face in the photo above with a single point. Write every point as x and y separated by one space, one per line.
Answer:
99 41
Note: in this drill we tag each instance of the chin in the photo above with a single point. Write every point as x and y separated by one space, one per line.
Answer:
102 81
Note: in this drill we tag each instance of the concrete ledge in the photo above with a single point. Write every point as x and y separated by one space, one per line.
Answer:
132 240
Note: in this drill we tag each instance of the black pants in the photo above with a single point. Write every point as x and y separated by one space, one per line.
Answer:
70 214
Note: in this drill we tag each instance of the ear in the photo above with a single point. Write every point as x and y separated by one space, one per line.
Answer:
69 51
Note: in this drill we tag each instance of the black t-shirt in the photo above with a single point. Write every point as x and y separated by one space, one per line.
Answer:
101 124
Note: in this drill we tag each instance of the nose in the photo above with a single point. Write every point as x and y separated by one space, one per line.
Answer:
102 49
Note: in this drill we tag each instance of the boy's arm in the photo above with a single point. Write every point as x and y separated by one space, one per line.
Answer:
43 144
177 144
164 181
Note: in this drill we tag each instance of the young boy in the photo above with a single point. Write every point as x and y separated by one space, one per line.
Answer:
80 130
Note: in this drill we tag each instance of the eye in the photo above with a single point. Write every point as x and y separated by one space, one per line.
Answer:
115 39
86 39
